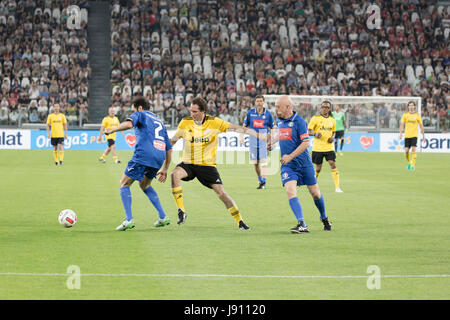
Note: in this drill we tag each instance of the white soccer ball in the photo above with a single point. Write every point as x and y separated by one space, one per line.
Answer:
67 218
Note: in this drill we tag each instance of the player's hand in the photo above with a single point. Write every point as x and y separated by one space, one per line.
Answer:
330 140
400 136
107 131
241 140
285 159
318 135
162 175
99 139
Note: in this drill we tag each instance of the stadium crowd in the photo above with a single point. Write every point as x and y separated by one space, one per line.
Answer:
231 51
42 61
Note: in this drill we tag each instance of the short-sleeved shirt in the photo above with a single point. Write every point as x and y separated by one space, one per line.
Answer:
201 140
325 126
260 122
411 121
152 140
292 132
340 120
57 121
109 123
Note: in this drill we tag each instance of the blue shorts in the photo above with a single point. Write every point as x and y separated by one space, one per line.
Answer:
258 152
303 176
137 171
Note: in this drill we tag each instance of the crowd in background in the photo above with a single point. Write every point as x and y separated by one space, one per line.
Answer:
42 61
231 51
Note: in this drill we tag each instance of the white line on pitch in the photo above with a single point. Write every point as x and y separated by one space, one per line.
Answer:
220 275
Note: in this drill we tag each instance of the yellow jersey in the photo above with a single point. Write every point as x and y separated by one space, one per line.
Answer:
325 126
57 122
411 121
109 123
201 140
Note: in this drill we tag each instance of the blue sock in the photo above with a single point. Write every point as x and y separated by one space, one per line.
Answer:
263 180
125 194
320 204
153 197
296 208
259 178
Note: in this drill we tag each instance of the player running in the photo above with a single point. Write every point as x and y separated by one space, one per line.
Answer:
297 168
57 124
259 119
153 150
109 122
200 133
409 123
323 128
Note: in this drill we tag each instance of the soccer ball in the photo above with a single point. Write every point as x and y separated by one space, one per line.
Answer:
67 218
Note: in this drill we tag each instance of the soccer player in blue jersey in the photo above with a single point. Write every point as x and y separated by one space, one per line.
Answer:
153 150
259 119
297 168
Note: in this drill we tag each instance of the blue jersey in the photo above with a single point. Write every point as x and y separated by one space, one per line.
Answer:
258 122
152 140
291 133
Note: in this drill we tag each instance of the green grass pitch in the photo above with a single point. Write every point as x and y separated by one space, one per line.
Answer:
388 217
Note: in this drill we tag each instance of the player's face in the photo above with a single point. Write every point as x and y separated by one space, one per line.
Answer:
56 108
283 109
411 108
325 109
111 112
196 113
259 103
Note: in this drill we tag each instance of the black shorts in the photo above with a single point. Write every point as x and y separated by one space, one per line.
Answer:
317 157
207 175
111 142
56 141
410 142
339 135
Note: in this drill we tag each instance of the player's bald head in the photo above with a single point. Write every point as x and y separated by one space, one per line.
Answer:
284 107
284 100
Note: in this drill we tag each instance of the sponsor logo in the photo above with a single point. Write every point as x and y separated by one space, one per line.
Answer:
200 140
14 139
159 145
366 142
285 134
130 139
258 123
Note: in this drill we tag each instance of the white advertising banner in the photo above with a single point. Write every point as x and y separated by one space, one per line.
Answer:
434 142
14 139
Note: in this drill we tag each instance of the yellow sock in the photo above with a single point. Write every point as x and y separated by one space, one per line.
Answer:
413 158
317 174
234 211
335 175
115 158
61 155
55 156
178 196
407 156
103 156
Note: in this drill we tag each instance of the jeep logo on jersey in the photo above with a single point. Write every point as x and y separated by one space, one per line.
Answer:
200 140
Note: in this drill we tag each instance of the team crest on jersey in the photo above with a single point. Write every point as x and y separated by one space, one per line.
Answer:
291 124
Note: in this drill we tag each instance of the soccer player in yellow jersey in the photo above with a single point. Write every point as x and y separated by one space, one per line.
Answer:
410 121
323 128
109 122
56 132
200 134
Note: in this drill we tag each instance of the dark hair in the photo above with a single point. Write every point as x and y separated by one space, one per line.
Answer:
141 101
260 97
327 101
201 103
412 103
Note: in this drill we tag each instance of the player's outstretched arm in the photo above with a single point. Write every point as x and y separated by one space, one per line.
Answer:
99 138
121 127
251 132
273 139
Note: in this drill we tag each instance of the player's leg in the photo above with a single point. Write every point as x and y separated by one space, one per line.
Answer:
230 205
331 158
105 153
180 172
320 204
413 157
291 192
317 159
262 160
55 150
113 151
407 154
151 194
342 141
125 195
61 151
